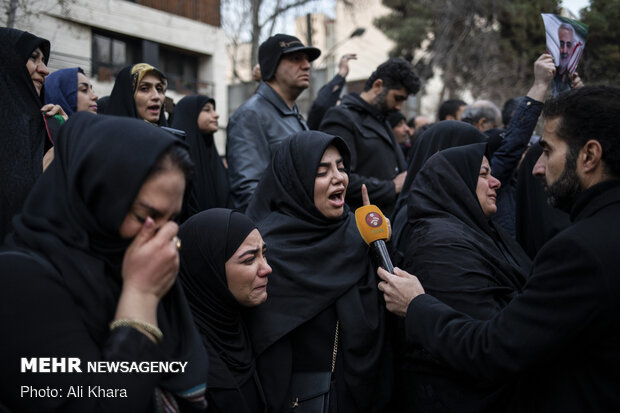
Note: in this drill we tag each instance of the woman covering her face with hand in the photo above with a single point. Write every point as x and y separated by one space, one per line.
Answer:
323 282
139 92
90 272
223 271
196 116
463 259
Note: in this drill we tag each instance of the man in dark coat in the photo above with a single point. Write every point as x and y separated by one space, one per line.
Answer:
376 158
561 335
269 116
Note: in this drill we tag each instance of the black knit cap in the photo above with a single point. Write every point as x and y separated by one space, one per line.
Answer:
271 50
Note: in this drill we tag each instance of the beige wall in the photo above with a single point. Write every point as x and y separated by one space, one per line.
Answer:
70 37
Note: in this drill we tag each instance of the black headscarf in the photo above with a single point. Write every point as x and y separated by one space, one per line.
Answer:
536 221
210 238
22 130
444 206
209 188
121 101
73 215
318 263
442 135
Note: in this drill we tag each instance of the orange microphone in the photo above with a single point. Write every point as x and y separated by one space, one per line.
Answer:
373 228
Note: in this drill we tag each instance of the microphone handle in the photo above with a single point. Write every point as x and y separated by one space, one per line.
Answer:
384 256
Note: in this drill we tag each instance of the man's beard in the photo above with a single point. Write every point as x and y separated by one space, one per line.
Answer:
380 101
563 192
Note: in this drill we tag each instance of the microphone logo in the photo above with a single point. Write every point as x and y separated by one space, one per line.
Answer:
374 220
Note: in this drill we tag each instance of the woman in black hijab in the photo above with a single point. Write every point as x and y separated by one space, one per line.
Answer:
90 271
323 281
223 270
460 256
197 117
23 65
442 135
139 92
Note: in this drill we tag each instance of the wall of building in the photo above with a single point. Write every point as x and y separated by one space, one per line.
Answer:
70 35
206 11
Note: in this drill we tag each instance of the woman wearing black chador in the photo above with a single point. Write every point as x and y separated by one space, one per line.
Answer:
464 260
196 116
324 312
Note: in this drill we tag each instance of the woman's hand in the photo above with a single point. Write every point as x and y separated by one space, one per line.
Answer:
150 267
151 262
366 201
50 110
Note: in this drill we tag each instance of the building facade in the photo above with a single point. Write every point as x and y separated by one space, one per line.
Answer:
183 38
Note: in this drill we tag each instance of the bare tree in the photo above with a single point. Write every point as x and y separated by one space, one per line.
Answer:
251 20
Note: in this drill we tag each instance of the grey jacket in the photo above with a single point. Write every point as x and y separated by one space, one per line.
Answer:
253 132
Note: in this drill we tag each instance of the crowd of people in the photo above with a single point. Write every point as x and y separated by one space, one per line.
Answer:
125 237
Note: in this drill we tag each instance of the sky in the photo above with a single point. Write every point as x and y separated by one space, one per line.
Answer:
287 24
575 5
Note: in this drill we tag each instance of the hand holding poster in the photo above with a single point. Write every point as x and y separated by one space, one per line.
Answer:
566 39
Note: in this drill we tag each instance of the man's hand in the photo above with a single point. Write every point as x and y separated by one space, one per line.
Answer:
398 289
343 65
544 70
576 83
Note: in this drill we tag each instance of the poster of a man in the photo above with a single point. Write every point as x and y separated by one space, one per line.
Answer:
566 39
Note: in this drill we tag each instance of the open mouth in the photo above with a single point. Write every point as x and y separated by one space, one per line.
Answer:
337 198
154 109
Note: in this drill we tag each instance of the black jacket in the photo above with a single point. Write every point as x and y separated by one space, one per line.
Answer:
326 98
562 332
376 158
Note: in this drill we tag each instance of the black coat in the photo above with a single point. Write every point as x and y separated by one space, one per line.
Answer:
376 158
536 221
562 333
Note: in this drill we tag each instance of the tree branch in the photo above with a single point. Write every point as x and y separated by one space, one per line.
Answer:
282 9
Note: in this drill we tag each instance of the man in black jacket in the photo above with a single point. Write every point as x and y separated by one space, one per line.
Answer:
561 335
376 158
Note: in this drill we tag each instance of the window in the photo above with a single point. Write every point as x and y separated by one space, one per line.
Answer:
111 53
181 68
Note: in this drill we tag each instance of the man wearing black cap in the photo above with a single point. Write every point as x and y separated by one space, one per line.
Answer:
270 115
361 120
